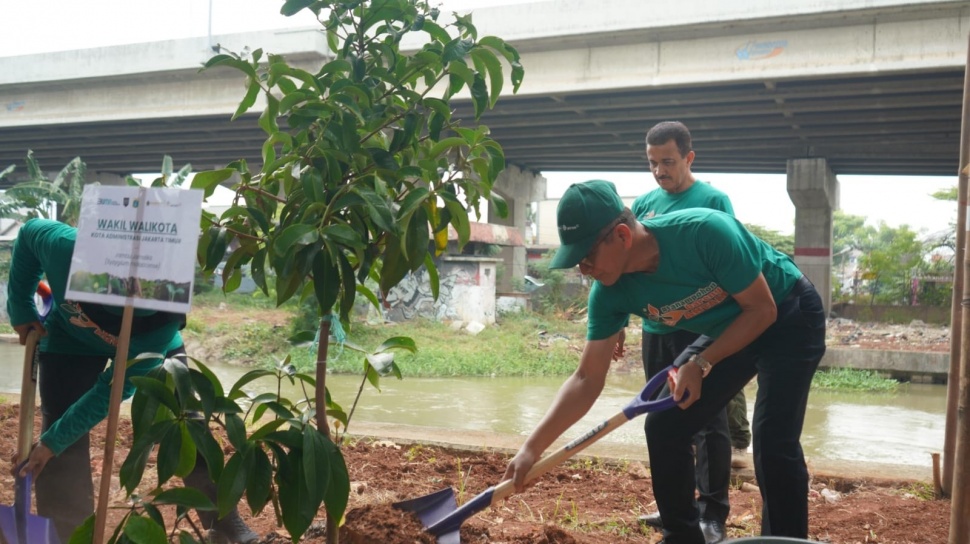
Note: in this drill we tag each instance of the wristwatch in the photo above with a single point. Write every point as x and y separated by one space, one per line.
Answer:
701 362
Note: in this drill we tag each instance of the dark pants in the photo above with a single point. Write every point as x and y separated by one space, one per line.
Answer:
737 413
712 444
65 492
784 358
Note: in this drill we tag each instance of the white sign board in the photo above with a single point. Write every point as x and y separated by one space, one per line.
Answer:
136 247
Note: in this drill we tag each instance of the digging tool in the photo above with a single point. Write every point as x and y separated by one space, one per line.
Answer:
17 524
439 511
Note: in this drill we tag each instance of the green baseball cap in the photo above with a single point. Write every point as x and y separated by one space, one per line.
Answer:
584 210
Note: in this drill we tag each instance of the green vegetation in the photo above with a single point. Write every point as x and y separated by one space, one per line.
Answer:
518 345
850 379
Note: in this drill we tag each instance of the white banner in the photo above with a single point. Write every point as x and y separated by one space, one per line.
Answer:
136 246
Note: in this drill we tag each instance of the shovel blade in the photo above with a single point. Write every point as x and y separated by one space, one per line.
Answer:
35 530
430 508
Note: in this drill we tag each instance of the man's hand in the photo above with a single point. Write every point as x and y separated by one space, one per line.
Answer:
519 467
39 456
24 329
619 350
686 378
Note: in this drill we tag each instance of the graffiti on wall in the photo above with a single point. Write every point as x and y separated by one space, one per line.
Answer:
413 298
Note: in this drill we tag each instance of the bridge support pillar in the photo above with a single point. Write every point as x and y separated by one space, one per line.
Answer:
520 188
814 190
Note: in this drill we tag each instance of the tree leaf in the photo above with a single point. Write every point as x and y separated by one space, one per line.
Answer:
208 180
141 530
295 236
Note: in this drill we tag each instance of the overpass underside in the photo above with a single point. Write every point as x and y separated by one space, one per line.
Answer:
811 89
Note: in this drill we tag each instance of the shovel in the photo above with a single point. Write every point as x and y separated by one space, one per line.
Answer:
439 512
17 524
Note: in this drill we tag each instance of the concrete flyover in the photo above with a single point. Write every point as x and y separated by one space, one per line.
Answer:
813 88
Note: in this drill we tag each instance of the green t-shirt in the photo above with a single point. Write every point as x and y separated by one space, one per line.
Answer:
698 195
659 202
45 247
705 257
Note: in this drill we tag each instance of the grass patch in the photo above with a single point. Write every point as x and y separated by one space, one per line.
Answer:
851 379
517 345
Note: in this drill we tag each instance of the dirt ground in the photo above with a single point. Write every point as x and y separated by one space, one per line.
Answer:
585 501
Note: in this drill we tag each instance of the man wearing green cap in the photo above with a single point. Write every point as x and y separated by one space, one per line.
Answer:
698 270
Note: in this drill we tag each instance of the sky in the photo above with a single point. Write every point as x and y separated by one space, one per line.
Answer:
60 25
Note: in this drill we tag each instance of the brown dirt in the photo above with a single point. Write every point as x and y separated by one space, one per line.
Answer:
586 501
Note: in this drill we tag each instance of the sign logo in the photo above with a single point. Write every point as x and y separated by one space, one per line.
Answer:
761 50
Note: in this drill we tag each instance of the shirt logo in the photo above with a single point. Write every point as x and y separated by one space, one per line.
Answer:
699 302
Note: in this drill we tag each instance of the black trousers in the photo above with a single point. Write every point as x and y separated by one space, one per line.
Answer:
712 444
784 358
64 489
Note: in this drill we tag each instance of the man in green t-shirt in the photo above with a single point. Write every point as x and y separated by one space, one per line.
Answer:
698 270
670 154
77 342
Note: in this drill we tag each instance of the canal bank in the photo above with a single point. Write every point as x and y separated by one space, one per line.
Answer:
846 435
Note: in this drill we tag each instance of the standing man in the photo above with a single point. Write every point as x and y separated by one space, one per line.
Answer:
670 154
698 270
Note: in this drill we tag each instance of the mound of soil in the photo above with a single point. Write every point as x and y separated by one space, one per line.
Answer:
584 501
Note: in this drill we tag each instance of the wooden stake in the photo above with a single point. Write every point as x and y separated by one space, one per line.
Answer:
114 411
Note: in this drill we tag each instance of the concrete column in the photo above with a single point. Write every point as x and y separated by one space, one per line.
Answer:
520 189
814 190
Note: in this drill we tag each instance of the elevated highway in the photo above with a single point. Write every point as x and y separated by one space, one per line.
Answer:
872 86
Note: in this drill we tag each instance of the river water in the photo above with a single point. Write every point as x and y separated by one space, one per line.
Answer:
898 429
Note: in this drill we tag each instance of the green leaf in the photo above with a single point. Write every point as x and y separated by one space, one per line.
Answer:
236 431
459 219
315 469
232 482
344 235
169 453
417 238
133 467
207 446
442 146
141 530
370 295
259 490
156 390
377 208
292 7
229 60
338 490
456 49
326 280
395 265
414 198
216 249
479 95
437 33
494 69
207 181
501 206
187 452
295 236
383 160
432 275
250 99
397 342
